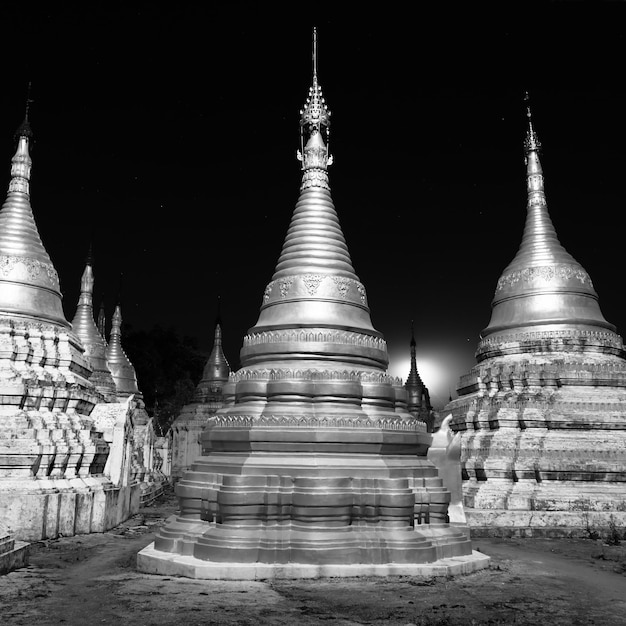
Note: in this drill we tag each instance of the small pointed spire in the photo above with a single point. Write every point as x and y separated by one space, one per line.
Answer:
89 259
414 378
419 400
532 142
85 328
102 321
314 54
218 317
121 368
217 368
24 129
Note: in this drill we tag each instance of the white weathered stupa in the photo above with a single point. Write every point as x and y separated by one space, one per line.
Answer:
542 415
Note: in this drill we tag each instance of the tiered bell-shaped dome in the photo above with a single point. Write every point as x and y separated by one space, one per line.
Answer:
544 292
121 368
314 288
216 369
29 284
93 342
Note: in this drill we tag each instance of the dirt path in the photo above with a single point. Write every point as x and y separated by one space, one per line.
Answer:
91 579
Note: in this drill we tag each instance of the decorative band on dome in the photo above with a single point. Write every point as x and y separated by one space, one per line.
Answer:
547 273
321 286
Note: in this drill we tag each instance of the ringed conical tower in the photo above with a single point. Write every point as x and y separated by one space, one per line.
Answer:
94 343
316 468
119 364
208 398
543 413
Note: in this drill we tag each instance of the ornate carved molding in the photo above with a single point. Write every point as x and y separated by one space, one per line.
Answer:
316 335
310 421
605 337
547 273
312 375
34 268
324 286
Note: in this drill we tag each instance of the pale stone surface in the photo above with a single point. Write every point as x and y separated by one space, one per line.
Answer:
153 561
542 447
445 453
13 554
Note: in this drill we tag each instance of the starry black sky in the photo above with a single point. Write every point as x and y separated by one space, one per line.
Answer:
167 138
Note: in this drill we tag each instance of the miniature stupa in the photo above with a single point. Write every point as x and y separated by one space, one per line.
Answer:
208 398
316 468
94 343
418 403
543 412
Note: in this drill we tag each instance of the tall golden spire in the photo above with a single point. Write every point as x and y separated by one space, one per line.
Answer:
85 327
121 368
314 282
543 289
29 284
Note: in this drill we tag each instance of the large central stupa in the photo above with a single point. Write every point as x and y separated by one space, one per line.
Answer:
316 468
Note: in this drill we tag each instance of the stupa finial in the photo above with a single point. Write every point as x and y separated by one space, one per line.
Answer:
314 54
532 143
314 131
24 129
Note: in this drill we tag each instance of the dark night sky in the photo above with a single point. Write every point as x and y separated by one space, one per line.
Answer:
167 136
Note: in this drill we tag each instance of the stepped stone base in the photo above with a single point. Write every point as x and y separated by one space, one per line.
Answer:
13 554
151 561
553 524
47 509
543 444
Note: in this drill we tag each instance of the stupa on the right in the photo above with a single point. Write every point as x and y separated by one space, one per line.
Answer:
542 415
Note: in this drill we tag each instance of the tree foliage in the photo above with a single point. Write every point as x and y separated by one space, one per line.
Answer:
168 369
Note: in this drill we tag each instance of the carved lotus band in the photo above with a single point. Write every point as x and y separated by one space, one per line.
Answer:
314 335
323 286
546 273
35 269
597 336
310 421
314 374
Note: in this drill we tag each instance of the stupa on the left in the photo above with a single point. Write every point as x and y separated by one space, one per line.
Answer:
53 480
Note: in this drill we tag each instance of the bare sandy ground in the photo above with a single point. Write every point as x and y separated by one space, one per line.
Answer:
91 579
